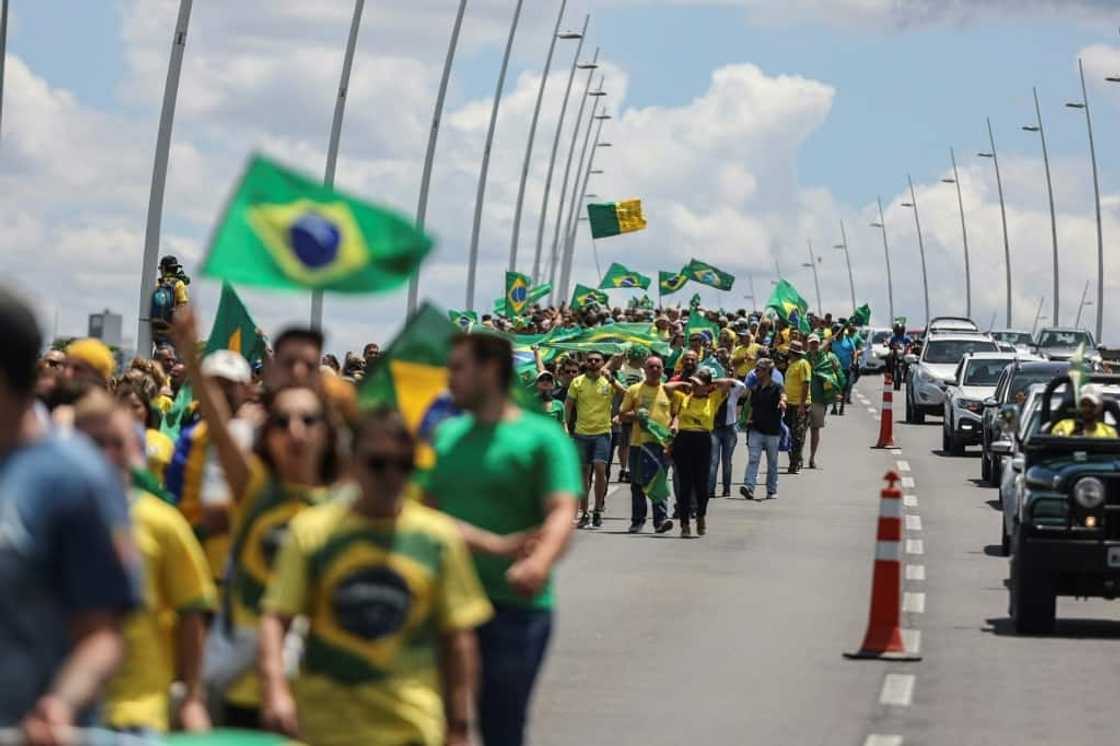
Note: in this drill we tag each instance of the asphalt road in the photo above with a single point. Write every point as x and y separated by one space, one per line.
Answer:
737 637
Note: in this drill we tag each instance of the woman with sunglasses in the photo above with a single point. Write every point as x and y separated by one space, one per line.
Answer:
692 448
393 601
290 468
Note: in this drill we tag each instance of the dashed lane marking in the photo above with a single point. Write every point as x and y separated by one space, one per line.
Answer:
904 466
908 482
914 603
877 740
915 546
913 523
872 411
910 501
898 690
915 572
912 641
896 451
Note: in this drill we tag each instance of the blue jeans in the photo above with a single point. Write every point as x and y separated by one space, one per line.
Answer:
593 448
638 498
512 647
757 443
724 439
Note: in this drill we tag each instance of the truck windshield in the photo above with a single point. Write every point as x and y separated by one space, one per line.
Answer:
950 351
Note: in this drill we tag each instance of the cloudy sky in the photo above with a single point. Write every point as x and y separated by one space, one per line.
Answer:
749 127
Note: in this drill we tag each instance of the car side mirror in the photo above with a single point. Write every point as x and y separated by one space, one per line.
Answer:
1009 415
990 402
1017 464
1001 447
910 359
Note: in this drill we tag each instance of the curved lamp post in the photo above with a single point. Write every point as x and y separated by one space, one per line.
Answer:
964 235
1084 104
913 204
994 155
1037 127
882 225
843 246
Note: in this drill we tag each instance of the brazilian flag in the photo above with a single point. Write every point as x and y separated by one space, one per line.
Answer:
234 328
694 302
535 294
411 377
697 324
463 319
788 303
861 316
670 282
517 293
619 276
706 274
583 296
281 229
610 339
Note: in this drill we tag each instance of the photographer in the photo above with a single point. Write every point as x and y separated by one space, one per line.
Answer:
170 293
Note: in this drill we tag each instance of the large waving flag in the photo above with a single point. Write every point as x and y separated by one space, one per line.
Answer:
787 302
619 276
616 217
610 339
706 274
583 296
670 282
411 377
861 316
517 293
535 294
463 319
234 329
283 230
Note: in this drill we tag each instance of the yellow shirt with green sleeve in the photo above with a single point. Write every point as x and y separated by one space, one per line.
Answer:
698 413
654 399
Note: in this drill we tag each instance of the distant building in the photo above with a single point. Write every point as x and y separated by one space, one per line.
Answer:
106 326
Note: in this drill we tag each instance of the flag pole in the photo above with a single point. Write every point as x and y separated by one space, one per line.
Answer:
336 136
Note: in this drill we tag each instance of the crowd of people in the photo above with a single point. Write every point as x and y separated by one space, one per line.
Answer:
196 540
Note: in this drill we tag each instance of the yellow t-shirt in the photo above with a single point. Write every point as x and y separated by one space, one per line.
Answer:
1066 428
176 580
797 375
159 449
744 358
163 403
656 400
378 594
592 398
259 524
698 413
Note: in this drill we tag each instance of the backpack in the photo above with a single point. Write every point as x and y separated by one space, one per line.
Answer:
163 305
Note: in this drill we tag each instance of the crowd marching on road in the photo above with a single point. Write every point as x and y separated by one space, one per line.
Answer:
198 540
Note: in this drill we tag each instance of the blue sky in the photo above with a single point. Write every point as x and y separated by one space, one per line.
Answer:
905 88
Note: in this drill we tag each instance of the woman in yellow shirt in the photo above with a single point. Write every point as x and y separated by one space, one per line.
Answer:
692 448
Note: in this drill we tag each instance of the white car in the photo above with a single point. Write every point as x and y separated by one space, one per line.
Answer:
1017 339
875 351
935 368
951 324
974 382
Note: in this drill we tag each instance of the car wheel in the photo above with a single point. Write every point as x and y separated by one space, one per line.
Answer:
919 415
1033 599
985 468
956 445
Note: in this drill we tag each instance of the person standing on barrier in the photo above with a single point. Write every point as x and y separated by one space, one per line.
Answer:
798 377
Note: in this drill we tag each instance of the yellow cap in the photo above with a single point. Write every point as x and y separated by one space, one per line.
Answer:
94 353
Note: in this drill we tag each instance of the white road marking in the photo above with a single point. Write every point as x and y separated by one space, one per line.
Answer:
912 640
915 546
877 740
904 466
913 523
915 572
896 451
910 501
915 603
908 482
898 690
871 411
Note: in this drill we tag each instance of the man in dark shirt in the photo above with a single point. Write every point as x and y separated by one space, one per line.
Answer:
764 430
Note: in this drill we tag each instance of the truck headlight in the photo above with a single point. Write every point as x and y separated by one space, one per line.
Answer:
976 407
1089 492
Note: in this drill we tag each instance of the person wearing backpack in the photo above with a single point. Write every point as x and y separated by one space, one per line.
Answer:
170 293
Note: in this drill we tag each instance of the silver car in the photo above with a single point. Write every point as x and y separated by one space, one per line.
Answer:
930 373
975 381
876 351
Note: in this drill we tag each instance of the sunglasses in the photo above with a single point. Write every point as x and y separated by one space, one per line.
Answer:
284 421
379 464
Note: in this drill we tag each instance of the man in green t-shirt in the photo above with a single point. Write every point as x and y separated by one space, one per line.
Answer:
511 479
589 401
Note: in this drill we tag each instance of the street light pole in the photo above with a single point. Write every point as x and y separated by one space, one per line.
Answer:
556 35
3 49
886 254
566 270
590 67
994 155
964 235
913 203
480 197
429 158
1081 305
159 178
754 298
575 210
1097 194
1038 315
1050 192
336 135
816 280
848 259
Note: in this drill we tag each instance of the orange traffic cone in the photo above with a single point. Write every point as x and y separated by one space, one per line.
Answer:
883 639
886 421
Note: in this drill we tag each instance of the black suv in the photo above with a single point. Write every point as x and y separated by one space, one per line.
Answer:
1011 388
1066 538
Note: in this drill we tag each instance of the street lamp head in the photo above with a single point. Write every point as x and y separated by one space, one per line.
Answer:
569 35
588 66
590 195
1113 79
596 93
876 225
906 204
839 246
602 116
604 145
1073 105
806 264
596 171
985 155
948 181
1030 128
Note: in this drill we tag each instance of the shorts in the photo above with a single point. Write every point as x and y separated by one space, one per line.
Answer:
593 448
816 415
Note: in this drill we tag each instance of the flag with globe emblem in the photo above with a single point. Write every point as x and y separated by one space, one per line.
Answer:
518 296
670 282
619 276
284 230
706 274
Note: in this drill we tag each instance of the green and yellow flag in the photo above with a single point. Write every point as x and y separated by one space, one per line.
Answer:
609 339
670 282
583 296
463 319
517 293
535 294
616 217
697 324
284 230
619 276
861 316
706 274
788 303
411 377
234 328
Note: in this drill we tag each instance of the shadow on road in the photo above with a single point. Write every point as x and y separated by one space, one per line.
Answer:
1074 629
994 550
994 505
